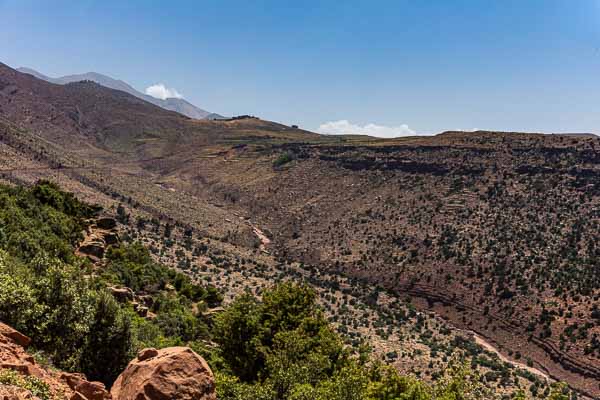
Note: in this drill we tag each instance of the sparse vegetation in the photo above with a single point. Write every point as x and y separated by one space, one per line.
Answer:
283 159
34 385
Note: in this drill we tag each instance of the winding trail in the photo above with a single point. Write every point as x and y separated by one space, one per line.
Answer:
480 340
264 240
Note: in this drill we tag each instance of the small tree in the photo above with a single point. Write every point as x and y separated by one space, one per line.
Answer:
108 348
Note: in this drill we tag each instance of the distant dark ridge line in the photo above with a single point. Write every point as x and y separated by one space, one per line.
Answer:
491 132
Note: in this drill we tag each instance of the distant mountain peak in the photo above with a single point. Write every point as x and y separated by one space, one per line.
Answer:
178 105
33 72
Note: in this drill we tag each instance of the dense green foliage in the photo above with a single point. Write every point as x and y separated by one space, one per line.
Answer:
284 333
50 294
42 220
281 347
132 266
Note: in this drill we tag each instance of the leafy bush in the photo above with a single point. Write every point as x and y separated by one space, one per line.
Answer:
110 342
281 342
131 265
36 386
283 159
18 304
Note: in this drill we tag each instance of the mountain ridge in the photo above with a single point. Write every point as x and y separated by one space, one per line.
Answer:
181 106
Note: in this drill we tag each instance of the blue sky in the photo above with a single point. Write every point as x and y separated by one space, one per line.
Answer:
389 67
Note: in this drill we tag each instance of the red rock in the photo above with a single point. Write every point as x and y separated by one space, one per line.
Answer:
91 390
175 373
24 368
147 353
72 379
15 335
13 356
95 249
14 393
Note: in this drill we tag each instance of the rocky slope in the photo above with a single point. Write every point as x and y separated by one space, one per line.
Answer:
21 377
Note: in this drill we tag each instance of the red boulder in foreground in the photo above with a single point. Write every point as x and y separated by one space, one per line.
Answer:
176 373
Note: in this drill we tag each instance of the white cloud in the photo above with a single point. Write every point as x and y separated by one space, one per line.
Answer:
467 130
343 127
160 91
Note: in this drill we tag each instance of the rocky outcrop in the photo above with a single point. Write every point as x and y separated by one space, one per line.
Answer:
122 295
93 248
14 357
12 354
97 238
15 393
145 354
141 303
106 223
176 373
140 309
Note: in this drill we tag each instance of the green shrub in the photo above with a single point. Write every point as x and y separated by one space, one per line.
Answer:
68 305
283 159
109 347
131 265
238 331
36 386
387 384
18 304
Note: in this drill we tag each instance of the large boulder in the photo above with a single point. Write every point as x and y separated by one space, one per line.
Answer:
175 373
